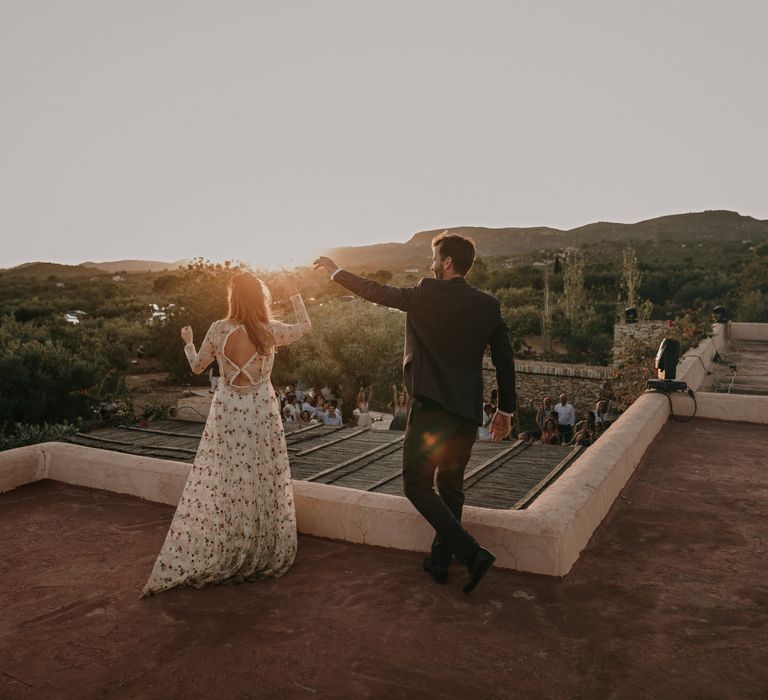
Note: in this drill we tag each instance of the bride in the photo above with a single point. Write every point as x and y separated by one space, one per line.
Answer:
236 519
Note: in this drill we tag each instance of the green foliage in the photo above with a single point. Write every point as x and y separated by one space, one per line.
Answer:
479 275
54 372
519 277
631 277
750 296
522 321
165 284
587 341
199 298
381 276
351 344
577 305
636 366
21 434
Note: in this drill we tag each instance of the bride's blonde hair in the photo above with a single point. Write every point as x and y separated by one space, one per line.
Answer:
249 305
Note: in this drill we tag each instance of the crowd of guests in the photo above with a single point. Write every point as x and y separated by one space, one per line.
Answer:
558 423
324 405
554 423
311 407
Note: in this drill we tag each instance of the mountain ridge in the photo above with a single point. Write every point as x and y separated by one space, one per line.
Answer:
707 226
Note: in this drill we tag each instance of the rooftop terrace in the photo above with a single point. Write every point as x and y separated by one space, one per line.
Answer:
669 600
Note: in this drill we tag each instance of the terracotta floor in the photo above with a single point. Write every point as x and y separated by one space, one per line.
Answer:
670 600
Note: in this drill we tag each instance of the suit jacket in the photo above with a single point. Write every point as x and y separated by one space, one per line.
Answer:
448 326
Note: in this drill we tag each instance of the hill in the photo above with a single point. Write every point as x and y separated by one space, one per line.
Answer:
697 227
48 269
134 265
90 269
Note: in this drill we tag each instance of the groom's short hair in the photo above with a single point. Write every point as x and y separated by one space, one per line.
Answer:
461 250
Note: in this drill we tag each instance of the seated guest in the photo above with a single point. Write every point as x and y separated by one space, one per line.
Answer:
308 405
550 435
484 431
602 417
582 437
290 403
331 416
494 401
306 418
288 415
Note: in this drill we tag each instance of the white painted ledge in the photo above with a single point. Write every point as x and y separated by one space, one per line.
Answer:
748 331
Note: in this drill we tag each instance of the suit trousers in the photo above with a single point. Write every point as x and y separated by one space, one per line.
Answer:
439 442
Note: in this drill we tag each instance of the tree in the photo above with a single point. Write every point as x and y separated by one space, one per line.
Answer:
576 305
199 298
631 278
479 275
546 314
382 276
164 284
351 344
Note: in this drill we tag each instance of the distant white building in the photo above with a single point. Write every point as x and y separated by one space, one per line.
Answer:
159 314
74 317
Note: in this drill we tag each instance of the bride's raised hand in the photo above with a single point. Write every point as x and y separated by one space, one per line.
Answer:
186 334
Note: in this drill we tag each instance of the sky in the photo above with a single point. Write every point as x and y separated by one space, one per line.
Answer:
267 131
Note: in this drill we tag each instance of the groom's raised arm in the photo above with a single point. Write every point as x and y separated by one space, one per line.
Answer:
403 298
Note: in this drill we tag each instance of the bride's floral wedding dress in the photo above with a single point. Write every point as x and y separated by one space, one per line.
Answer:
236 518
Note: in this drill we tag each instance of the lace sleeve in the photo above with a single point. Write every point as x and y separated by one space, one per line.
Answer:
199 361
286 333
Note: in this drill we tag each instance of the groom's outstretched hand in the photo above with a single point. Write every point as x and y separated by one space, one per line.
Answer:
501 426
327 263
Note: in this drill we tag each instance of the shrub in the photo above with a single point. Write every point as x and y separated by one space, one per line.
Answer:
20 434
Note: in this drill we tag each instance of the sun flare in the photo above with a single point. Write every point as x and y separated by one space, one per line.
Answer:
283 254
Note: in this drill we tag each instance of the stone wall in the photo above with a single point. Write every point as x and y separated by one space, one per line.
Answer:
535 380
645 331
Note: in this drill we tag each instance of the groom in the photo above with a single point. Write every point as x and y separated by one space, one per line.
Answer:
447 328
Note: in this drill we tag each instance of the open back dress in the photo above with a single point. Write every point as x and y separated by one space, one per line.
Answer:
235 519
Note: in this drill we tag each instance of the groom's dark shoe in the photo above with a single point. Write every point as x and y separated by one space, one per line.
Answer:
439 573
478 566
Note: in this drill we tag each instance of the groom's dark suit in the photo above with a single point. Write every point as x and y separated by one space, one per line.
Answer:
448 326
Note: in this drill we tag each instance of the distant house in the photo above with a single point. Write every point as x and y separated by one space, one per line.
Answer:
159 314
74 317
118 278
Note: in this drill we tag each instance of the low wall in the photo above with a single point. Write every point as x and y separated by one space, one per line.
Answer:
748 331
580 499
729 407
24 465
537 379
627 333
